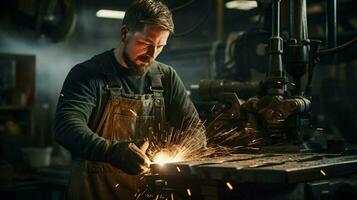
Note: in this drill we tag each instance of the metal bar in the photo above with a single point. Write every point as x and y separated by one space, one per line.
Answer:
219 19
276 168
331 23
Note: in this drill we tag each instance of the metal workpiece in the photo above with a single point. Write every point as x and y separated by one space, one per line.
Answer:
292 175
263 168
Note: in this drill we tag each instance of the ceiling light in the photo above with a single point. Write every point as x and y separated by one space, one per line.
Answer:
112 14
241 5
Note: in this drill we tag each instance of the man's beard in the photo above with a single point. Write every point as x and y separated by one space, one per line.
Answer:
134 69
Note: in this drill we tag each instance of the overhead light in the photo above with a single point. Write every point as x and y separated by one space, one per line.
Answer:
112 14
241 5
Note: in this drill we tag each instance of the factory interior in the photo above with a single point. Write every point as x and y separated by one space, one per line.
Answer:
272 81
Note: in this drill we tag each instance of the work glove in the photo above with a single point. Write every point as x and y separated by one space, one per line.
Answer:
128 157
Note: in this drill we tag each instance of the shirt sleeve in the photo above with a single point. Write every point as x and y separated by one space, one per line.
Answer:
181 112
75 105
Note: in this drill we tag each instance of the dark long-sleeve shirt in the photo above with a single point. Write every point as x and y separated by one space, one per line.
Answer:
82 93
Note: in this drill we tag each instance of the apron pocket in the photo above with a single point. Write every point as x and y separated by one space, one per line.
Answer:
131 127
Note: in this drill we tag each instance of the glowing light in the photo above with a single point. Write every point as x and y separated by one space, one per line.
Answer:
189 192
322 172
164 157
169 145
112 14
172 196
173 145
229 185
116 185
133 112
241 5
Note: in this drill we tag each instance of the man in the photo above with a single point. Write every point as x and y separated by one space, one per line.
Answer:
110 102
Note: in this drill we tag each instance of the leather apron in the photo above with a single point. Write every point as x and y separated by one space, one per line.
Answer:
126 117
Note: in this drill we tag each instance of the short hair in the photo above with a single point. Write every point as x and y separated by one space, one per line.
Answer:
153 12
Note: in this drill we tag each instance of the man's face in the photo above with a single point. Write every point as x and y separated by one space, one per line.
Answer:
142 47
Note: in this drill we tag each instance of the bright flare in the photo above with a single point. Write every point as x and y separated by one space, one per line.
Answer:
163 157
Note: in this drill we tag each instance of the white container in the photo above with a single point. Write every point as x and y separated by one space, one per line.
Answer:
37 157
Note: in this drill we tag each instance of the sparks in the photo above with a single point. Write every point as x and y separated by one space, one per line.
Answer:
133 112
188 192
164 157
229 185
172 196
172 145
322 172
187 144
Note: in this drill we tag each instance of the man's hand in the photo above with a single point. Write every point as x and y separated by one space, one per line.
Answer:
129 158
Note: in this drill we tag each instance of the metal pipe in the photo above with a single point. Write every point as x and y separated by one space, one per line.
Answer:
297 49
331 23
214 89
275 80
298 21
276 18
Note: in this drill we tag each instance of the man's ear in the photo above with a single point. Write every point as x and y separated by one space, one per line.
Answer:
123 33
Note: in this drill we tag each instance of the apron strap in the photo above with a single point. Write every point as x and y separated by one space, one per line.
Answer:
113 86
159 102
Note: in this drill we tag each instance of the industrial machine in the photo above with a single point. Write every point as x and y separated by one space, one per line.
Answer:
272 161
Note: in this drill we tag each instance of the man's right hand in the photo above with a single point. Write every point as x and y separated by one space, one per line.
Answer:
129 158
